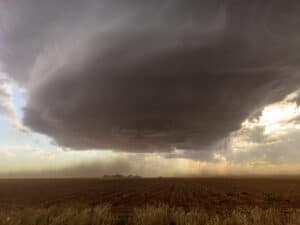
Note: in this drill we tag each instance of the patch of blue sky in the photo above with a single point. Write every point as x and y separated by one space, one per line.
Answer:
11 136
18 100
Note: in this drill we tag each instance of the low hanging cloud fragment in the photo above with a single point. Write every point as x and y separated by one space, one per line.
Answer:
5 106
146 76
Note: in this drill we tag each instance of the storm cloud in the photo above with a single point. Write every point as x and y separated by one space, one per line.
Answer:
146 76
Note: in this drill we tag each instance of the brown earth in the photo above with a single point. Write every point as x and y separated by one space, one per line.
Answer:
126 194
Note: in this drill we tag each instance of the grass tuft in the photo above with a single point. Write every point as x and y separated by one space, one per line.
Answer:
149 215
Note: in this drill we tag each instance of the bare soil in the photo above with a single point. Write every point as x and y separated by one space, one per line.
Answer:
126 194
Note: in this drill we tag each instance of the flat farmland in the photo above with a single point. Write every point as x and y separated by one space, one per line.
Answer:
126 194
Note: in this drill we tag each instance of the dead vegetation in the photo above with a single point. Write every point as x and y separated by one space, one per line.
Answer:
59 215
148 215
165 215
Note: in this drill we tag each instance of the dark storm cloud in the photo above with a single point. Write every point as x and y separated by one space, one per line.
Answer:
149 75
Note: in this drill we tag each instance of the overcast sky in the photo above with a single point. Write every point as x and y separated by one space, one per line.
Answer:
154 88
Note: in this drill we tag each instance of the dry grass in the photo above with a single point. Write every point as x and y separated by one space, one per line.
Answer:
165 215
149 215
59 215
